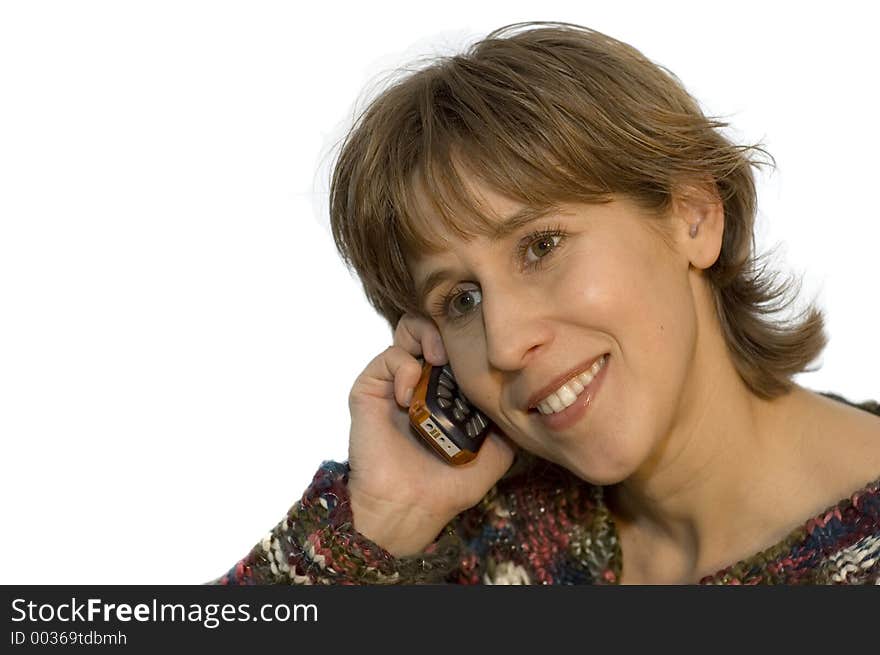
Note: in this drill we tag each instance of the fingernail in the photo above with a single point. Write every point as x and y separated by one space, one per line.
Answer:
407 397
439 349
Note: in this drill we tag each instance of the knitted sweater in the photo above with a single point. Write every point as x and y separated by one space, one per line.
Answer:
540 525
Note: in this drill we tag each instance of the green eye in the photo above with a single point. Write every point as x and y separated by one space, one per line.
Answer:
465 301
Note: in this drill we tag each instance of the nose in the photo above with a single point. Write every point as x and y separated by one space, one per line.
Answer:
515 326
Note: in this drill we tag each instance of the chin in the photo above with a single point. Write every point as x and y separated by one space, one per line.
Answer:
597 467
602 478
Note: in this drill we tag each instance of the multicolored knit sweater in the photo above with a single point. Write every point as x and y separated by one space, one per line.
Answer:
540 525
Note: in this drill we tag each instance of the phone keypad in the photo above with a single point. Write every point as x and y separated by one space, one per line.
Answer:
449 398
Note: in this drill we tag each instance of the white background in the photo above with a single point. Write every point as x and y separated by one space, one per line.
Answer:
178 336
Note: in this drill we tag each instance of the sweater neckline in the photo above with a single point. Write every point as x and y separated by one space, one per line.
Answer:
759 564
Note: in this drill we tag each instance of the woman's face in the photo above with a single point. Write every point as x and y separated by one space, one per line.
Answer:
526 311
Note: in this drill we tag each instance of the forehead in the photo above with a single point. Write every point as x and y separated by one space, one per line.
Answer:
457 206
499 217
442 218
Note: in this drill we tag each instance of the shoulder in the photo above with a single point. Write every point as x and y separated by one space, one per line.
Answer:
870 406
845 450
828 432
847 434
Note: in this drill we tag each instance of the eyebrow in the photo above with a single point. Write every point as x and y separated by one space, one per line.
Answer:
508 226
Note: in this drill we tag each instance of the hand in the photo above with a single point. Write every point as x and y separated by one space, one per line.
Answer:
402 493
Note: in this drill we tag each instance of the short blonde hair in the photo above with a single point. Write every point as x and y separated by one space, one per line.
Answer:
548 113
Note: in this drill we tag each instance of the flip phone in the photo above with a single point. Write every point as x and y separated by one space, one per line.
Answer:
441 415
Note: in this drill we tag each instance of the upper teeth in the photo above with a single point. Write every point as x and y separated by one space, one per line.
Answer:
568 392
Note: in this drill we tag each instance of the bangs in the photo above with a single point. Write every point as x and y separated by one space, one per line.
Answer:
465 143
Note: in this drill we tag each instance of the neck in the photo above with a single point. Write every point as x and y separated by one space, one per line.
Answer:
729 451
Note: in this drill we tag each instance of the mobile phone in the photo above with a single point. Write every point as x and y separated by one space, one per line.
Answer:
444 418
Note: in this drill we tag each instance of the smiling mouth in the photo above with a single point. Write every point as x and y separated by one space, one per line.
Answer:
561 390
568 393
572 411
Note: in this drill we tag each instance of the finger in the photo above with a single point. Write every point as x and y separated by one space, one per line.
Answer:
392 371
405 381
420 336
406 336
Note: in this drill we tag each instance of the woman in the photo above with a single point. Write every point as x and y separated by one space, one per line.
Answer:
546 204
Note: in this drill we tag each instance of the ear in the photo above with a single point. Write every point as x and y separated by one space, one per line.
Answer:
699 221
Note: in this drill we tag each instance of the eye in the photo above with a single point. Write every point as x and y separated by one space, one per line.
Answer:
532 252
542 246
463 302
539 245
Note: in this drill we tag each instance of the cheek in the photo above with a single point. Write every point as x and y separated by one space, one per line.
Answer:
668 316
609 291
634 301
656 318
635 295
465 357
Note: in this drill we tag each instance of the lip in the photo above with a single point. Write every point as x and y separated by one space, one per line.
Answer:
574 412
559 381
